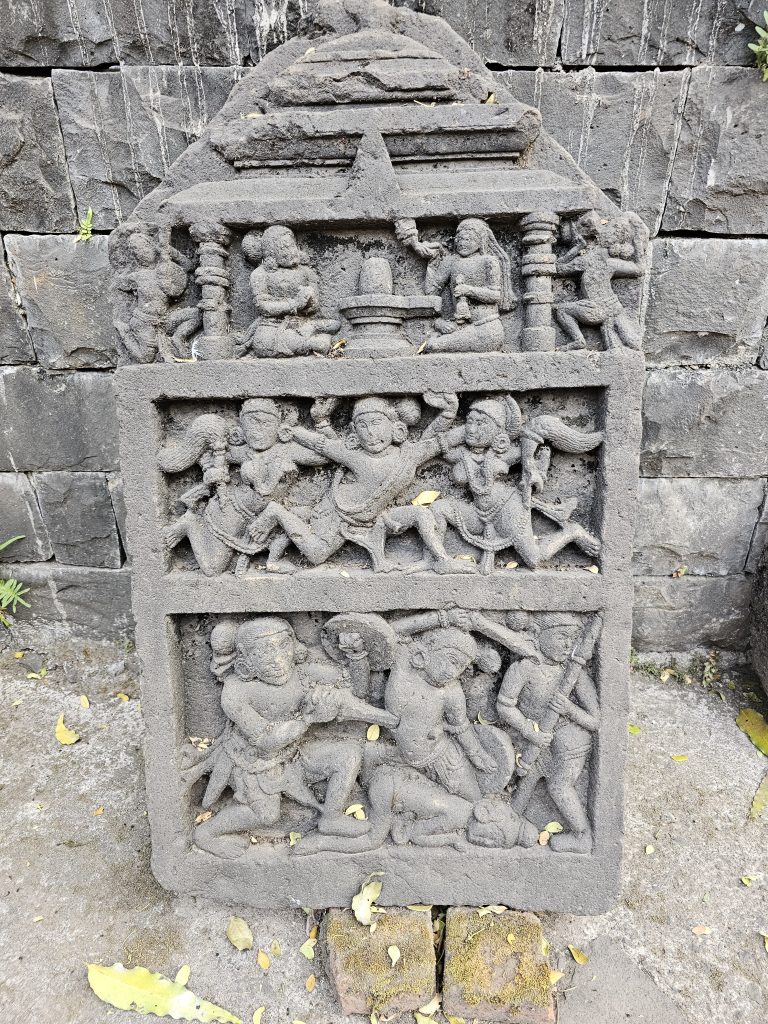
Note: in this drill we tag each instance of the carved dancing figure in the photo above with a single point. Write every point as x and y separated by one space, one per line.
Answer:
271 699
375 466
219 510
600 253
157 273
499 516
286 295
557 690
478 277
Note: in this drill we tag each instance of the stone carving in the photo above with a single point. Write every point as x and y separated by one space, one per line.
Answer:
380 518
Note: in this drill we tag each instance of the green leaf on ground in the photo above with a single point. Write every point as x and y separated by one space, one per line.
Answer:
755 726
141 990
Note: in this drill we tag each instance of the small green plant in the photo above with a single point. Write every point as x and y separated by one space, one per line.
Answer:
760 48
11 590
86 227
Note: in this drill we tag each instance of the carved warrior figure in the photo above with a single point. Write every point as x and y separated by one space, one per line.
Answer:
599 253
495 439
477 276
286 297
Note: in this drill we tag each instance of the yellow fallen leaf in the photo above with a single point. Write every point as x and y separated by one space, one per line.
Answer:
122 696
425 498
258 1013
545 945
553 827
373 733
18 655
313 931
666 674
293 838
262 959
491 98
419 906
138 989
84 702
421 348
357 811
182 975
649 850
495 909
544 838
679 757
701 929
297 1022
511 938
465 558
363 901
432 1006
634 730
374 1019
98 812
760 800
307 949
373 927
38 675
593 568
681 570
240 935
764 937
755 726
421 1019
393 953
554 977
310 983
38 919
275 949
337 345
454 1020
578 956
17 702
203 816
64 735
512 565
748 879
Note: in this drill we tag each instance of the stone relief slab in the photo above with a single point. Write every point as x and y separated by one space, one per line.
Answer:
380 461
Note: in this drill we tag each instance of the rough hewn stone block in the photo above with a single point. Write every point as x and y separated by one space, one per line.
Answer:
705 423
77 511
15 343
759 623
496 967
76 599
708 300
692 611
34 188
20 515
706 525
123 129
759 536
718 181
117 493
621 128
64 287
361 969
62 421
627 32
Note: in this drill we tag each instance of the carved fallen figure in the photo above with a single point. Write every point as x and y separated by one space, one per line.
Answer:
286 297
599 253
479 282
495 439
155 273
271 697
219 511
376 464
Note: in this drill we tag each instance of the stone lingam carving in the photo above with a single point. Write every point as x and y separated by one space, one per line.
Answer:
380 465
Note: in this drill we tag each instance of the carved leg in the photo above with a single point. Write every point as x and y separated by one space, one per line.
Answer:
316 548
628 331
568 315
561 786
571 533
275 560
431 523
525 789
339 763
225 834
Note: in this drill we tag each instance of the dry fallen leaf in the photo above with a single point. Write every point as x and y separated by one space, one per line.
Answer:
182 975
64 735
373 733
593 568
310 983
363 901
138 989
203 816
760 800
275 949
307 949
239 934
421 1019
122 696
553 827
512 565
432 1006
393 953
84 702
634 730
38 919
554 977
258 1013
679 757
491 98
755 726
357 811
18 655
511 938
701 929
649 850
764 937
293 838
578 956
454 1020
495 909
98 812
748 879
544 838
425 498
262 959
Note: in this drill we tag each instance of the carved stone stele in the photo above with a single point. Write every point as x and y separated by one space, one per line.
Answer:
381 461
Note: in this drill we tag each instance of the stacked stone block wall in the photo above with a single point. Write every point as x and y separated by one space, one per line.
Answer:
658 103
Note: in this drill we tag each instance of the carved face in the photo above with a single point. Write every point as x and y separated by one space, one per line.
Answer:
441 665
375 432
270 659
260 429
142 249
468 239
557 642
283 250
495 824
480 430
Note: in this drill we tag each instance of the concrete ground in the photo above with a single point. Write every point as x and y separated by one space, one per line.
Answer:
86 875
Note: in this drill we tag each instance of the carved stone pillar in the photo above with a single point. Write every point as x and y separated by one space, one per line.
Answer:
539 267
212 275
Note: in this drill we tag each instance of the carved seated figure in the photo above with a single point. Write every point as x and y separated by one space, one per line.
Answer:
271 699
286 297
477 276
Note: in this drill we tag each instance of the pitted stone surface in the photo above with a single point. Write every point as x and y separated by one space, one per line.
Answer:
35 194
20 516
691 611
77 511
64 285
15 343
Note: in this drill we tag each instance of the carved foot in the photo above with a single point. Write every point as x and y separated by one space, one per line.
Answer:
281 565
453 565
572 842
589 545
229 847
384 565
342 825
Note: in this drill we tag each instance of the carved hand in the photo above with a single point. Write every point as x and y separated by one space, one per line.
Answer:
541 738
406 231
443 400
460 618
560 703
321 705
482 761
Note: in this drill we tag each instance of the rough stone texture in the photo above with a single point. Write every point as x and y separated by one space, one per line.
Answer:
361 971
123 129
620 127
759 621
20 515
35 194
613 988
75 600
117 493
759 537
64 286
692 611
664 32
705 423
496 967
56 422
77 511
708 300
718 178
706 525
15 343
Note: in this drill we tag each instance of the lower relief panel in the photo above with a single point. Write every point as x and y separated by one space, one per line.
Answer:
425 740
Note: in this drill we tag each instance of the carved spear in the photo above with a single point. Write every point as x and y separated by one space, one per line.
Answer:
580 655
